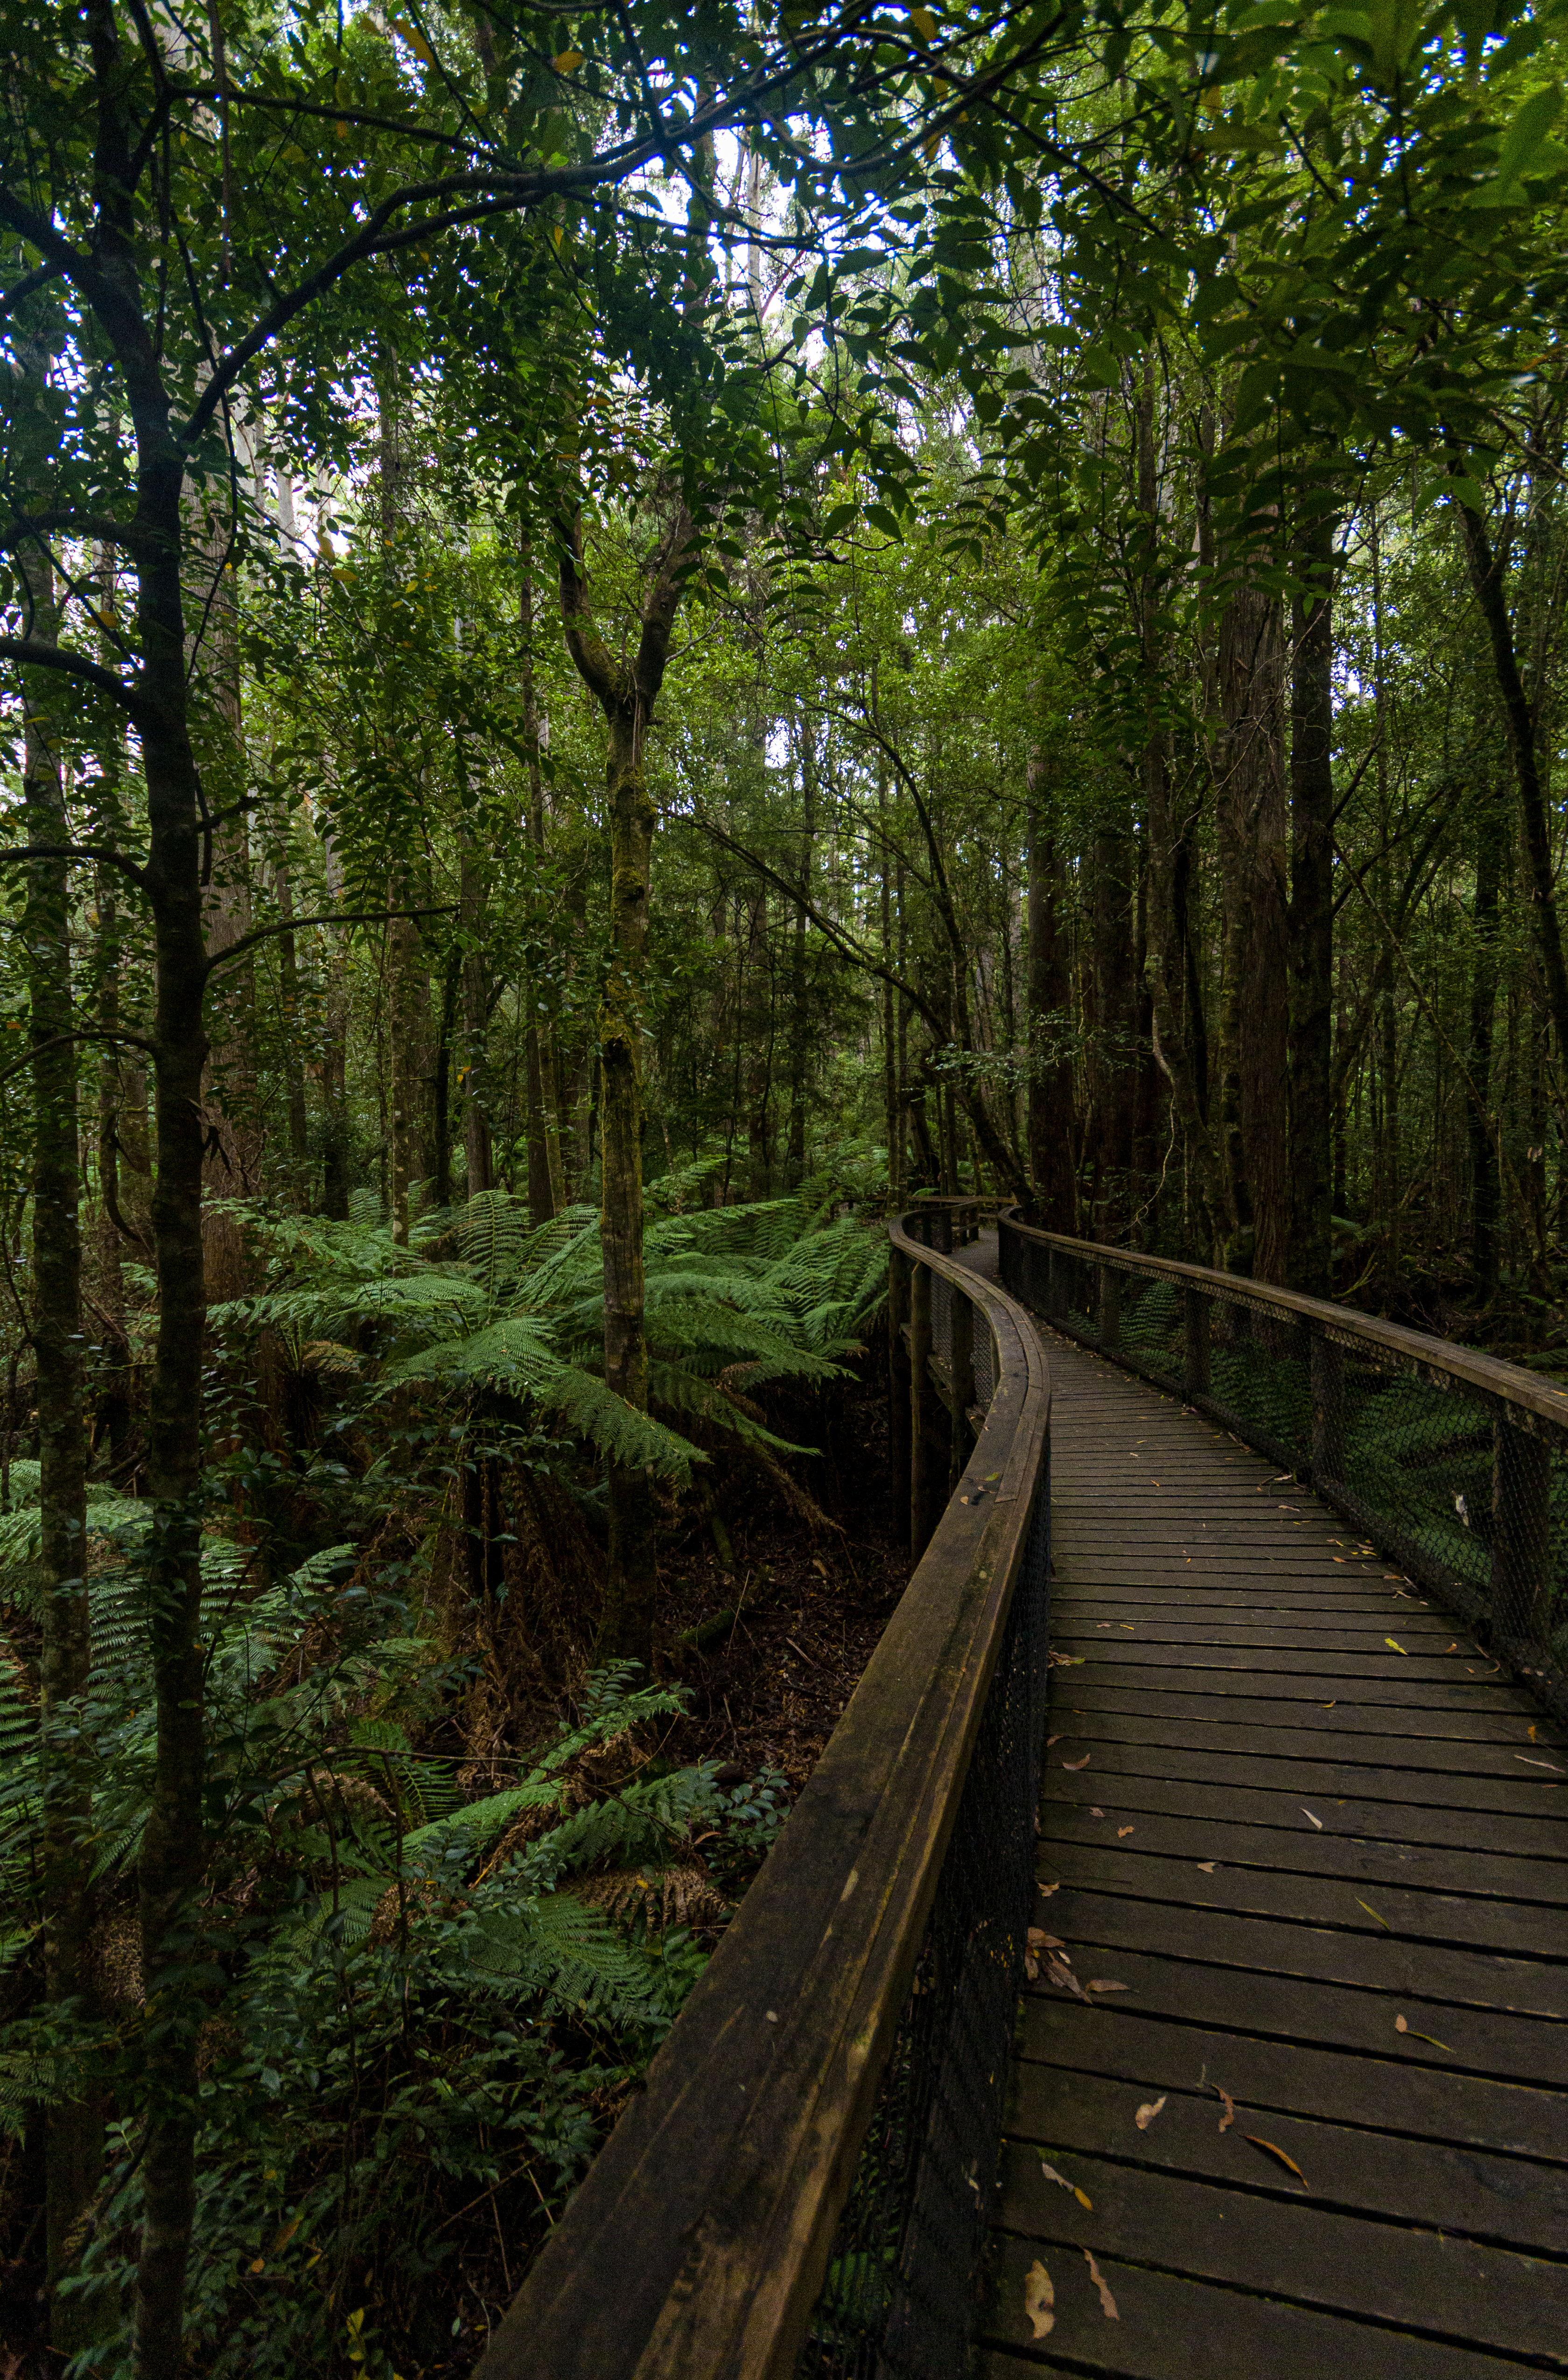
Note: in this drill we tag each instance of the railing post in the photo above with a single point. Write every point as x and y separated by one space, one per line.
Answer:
898 1273
1521 1530
1195 1356
962 1341
1328 1409
942 1219
1110 1306
920 1397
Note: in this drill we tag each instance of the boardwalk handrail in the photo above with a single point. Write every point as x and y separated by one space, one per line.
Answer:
799 2187
1452 1463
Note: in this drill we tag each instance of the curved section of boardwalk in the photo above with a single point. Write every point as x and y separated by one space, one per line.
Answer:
1304 1853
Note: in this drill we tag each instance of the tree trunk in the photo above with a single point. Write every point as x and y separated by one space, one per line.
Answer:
626 694
73 2135
543 1195
1312 923
1051 1119
1521 716
1251 797
1484 1213
800 1012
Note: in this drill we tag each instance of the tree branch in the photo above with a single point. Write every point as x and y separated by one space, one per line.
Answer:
117 859
323 917
36 655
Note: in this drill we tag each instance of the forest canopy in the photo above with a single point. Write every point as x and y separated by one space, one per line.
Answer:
630 638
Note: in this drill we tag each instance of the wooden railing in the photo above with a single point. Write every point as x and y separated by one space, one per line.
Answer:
1454 1464
798 2187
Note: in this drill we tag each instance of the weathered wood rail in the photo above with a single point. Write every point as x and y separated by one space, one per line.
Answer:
800 2185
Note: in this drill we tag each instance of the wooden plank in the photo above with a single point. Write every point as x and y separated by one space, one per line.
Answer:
1462 1758
1513 1929
1538 1839
1387 1668
1461 2192
1171 2327
1300 2077
1479 2041
1490 1695
1187 2330
1519 1793
1423 1867
1364 1954
1478 1724
1295 2248
1365 1637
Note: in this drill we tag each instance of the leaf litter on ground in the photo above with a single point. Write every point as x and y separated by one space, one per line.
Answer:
1258 2143
1149 2110
1081 2195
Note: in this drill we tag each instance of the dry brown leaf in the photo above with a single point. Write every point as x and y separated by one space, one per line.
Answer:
1095 1811
1041 1942
1081 2195
1078 1764
1228 2119
1102 1986
1206 1867
1031 1968
1040 2300
1149 2110
1050 1740
1045 1891
1279 2153
1107 2303
1529 1763
1061 1975
1123 1831
1308 1814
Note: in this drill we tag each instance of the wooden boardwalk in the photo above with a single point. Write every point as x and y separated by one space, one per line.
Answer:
1300 1845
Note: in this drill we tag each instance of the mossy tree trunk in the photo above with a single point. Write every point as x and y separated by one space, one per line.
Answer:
626 692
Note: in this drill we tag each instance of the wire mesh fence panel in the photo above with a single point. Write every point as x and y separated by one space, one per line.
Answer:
899 2297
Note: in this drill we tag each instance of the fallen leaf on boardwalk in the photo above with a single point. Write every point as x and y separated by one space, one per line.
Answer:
1393 1647
1147 2112
1078 1764
1127 1830
1050 1740
1306 1814
1031 1968
1095 1811
1372 1912
1061 1975
1228 2119
1206 1867
1400 2026
1039 2299
1108 2303
1081 2195
1103 1986
1532 1734
1540 1764
1039 1942
1045 1891
1277 2153
1453 1647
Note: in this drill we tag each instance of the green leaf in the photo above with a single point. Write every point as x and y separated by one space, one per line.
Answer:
1531 123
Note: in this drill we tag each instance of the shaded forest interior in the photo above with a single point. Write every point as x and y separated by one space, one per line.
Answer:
627 641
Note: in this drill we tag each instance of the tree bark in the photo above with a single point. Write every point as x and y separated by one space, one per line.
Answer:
1052 1125
1312 922
73 2130
1251 796
625 693
1520 715
1485 1215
